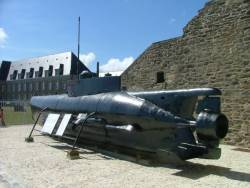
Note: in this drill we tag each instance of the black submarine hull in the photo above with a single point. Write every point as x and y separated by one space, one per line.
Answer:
116 108
126 120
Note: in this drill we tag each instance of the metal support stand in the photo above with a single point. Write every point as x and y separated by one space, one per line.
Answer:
30 138
73 153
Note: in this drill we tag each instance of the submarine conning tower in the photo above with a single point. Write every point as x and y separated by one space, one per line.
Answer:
94 85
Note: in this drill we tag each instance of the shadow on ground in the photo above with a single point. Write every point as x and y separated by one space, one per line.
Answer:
188 169
196 171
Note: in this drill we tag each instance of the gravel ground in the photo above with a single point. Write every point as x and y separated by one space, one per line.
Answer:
44 164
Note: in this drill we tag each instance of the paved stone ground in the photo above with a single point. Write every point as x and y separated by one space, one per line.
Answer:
44 164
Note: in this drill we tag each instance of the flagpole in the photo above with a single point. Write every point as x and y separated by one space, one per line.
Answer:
78 48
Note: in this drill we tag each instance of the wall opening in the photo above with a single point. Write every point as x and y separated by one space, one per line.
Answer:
160 77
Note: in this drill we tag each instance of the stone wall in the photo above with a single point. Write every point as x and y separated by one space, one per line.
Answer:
214 51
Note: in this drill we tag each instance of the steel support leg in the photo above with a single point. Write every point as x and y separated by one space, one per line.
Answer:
30 138
73 153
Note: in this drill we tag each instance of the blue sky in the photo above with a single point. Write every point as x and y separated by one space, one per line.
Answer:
113 32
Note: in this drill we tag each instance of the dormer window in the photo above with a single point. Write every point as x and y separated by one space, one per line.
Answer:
61 69
40 73
22 74
50 73
14 75
31 73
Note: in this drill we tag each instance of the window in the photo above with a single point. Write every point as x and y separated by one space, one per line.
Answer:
30 86
57 85
50 85
43 85
22 74
14 75
61 69
24 87
37 86
31 73
64 86
50 70
19 87
40 74
13 88
8 88
160 77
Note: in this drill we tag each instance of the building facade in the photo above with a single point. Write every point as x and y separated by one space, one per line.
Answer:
20 80
214 51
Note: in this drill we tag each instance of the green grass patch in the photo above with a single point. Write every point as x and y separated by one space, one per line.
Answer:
12 117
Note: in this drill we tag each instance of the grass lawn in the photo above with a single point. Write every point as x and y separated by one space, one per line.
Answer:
17 118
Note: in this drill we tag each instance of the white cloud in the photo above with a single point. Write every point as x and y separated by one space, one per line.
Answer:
115 64
88 58
3 37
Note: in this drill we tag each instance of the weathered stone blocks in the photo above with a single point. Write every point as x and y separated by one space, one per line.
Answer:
214 51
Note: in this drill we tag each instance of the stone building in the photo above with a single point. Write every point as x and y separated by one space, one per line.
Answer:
214 51
20 80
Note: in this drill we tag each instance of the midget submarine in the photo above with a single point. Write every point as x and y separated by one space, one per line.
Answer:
170 124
